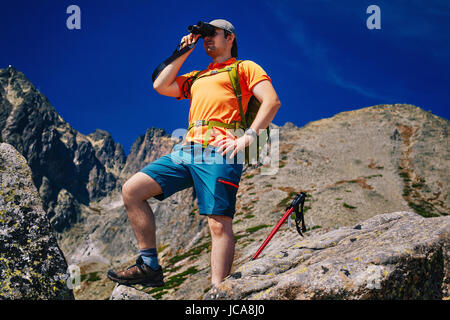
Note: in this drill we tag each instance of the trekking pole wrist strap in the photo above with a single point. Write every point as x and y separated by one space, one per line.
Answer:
298 204
177 53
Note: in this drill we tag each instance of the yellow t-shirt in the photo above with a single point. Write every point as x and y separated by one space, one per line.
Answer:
213 99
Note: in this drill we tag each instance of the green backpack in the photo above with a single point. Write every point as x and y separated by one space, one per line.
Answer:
253 151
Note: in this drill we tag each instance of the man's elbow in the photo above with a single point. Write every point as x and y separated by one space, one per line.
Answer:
167 90
160 88
276 103
157 86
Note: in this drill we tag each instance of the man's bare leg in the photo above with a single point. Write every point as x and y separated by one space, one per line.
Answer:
146 271
135 193
222 251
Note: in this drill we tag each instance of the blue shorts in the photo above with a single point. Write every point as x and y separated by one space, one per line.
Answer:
215 178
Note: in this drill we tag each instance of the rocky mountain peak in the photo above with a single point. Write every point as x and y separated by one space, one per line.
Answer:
109 153
54 150
147 148
99 134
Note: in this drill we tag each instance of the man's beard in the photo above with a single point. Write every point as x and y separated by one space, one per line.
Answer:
211 50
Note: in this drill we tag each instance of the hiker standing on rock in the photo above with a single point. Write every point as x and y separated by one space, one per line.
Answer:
202 160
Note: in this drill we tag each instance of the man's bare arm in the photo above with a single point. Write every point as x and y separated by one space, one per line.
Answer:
165 83
270 104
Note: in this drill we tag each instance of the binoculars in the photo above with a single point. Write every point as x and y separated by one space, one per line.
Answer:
203 28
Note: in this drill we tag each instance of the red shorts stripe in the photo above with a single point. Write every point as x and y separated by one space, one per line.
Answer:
228 182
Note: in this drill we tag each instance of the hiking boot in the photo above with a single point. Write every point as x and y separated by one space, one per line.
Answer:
138 273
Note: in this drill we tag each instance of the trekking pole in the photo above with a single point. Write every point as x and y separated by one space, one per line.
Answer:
297 206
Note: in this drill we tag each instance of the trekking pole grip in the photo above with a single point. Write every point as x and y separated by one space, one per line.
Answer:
298 205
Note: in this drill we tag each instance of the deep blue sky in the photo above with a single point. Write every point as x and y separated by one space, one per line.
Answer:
320 55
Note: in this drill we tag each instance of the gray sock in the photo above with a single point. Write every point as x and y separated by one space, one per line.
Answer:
150 258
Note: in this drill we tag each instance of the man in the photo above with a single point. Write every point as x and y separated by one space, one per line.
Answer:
215 184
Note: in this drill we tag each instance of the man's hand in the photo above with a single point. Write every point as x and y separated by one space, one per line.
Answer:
234 145
188 40
165 83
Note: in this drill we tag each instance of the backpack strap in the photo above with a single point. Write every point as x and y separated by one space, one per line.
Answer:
177 53
213 72
235 125
234 78
187 84
236 84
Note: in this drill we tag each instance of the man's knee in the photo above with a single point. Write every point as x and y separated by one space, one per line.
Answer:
220 225
127 192
139 187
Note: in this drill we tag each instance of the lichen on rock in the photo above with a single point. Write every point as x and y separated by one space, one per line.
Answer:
32 266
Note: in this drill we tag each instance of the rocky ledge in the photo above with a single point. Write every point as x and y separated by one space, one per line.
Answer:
398 255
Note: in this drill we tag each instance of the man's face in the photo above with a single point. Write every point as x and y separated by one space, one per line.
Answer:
217 45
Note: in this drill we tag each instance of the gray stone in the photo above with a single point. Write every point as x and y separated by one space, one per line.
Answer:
32 266
121 292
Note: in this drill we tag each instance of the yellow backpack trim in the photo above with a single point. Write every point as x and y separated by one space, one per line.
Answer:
246 118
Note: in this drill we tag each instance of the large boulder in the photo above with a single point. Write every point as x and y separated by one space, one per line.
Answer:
399 255
32 266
